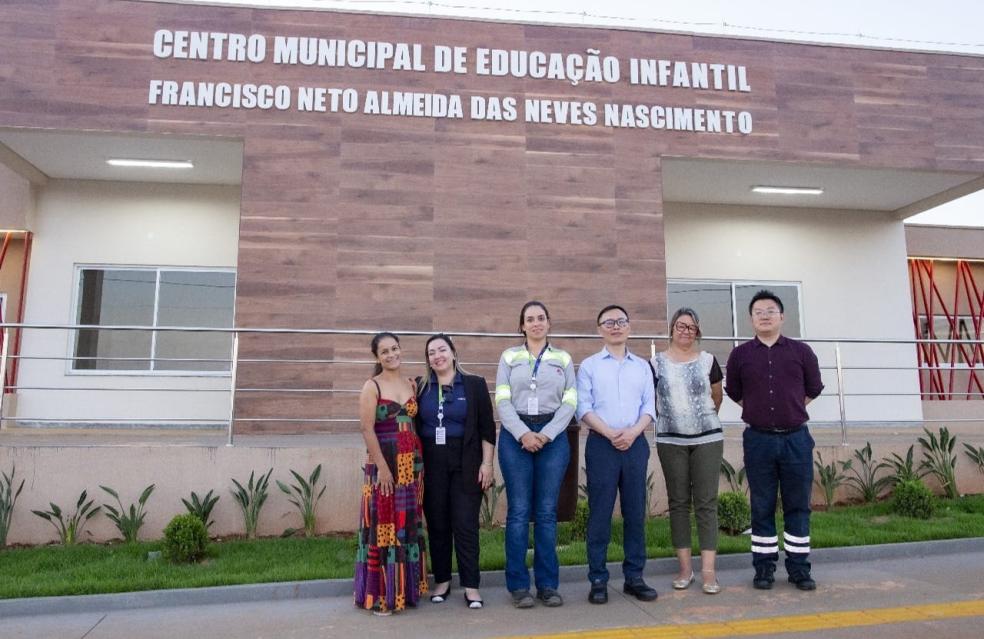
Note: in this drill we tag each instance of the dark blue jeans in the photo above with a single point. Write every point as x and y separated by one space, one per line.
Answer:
532 487
780 463
612 471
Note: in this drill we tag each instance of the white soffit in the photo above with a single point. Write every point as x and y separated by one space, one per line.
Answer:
82 155
730 182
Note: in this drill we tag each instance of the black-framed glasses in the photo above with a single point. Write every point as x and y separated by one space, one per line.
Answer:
622 322
685 328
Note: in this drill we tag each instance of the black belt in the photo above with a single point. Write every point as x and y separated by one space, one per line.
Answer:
536 420
777 431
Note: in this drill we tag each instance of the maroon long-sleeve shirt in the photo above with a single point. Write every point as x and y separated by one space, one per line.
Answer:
773 382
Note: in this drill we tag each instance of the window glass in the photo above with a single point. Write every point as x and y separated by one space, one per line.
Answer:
723 307
120 298
195 298
790 303
153 297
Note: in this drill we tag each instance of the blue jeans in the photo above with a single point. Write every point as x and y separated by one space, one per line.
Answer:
610 470
783 464
532 487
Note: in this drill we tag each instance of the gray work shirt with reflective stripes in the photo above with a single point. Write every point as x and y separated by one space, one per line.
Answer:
555 389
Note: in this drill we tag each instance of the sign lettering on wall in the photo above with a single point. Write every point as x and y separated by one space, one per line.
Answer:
574 69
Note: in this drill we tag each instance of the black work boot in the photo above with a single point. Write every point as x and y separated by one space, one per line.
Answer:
764 577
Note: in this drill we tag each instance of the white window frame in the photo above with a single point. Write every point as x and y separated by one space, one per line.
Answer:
946 364
73 337
735 311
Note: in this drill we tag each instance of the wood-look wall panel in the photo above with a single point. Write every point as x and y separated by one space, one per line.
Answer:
371 221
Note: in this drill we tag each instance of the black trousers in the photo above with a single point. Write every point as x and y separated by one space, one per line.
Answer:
451 513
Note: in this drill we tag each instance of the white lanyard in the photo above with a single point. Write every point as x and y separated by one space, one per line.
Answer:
440 433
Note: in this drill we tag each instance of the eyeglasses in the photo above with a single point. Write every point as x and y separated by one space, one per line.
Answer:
610 323
685 328
769 313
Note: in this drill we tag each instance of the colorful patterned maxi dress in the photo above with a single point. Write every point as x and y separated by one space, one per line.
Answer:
391 564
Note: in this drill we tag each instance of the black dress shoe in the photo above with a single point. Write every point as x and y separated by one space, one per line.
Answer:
803 583
599 593
764 577
640 590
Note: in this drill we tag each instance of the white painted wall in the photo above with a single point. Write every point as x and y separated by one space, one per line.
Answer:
115 223
854 284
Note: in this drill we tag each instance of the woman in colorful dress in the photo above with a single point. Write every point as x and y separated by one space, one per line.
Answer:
535 392
690 444
457 428
391 564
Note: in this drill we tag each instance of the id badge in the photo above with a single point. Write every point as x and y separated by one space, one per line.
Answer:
532 405
440 435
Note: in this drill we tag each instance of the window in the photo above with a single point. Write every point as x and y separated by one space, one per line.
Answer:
723 308
153 297
962 328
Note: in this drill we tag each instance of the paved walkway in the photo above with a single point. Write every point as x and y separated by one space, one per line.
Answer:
937 595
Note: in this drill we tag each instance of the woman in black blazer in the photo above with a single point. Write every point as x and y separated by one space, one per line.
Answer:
457 428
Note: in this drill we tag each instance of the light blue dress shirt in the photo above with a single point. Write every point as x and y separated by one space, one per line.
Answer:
618 391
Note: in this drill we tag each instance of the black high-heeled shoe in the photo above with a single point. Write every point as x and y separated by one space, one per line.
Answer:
473 604
441 597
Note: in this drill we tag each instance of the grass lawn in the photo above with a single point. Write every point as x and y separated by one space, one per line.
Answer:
89 569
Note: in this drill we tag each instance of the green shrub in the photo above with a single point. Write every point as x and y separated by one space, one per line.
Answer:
70 530
304 495
579 522
128 522
185 539
734 512
913 499
940 460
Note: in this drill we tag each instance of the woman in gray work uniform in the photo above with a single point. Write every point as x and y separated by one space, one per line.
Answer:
535 392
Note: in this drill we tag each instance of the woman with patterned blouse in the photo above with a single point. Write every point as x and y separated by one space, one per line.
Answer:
690 443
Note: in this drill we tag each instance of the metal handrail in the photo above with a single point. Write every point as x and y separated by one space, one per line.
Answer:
235 360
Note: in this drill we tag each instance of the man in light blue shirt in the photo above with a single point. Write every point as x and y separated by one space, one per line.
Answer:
616 400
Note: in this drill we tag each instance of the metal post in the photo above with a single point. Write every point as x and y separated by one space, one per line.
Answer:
232 384
3 371
840 393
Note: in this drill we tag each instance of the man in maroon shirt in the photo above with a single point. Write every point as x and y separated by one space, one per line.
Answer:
773 378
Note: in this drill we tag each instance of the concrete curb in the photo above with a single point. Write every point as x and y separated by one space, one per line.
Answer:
343 587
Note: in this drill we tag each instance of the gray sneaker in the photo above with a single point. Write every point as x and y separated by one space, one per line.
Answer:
522 599
549 597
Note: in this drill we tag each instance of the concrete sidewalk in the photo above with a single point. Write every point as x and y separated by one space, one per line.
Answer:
850 580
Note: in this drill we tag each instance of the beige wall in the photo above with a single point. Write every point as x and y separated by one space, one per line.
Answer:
851 266
107 223
16 201
945 241
58 473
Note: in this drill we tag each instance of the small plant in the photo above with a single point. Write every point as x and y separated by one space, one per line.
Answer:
903 468
579 522
976 455
251 499
864 477
913 499
8 498
201 508
829 479
734 512
69 531
128 522
185 539
650 490
735 478
302 495
490 502
940 460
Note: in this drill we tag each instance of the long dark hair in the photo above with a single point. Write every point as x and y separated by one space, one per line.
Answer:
526 306
374 345
454 352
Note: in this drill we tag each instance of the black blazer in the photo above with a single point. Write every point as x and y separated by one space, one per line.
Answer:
479 426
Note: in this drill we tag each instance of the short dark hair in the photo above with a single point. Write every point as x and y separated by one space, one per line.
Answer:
765 294
611 307
526 306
